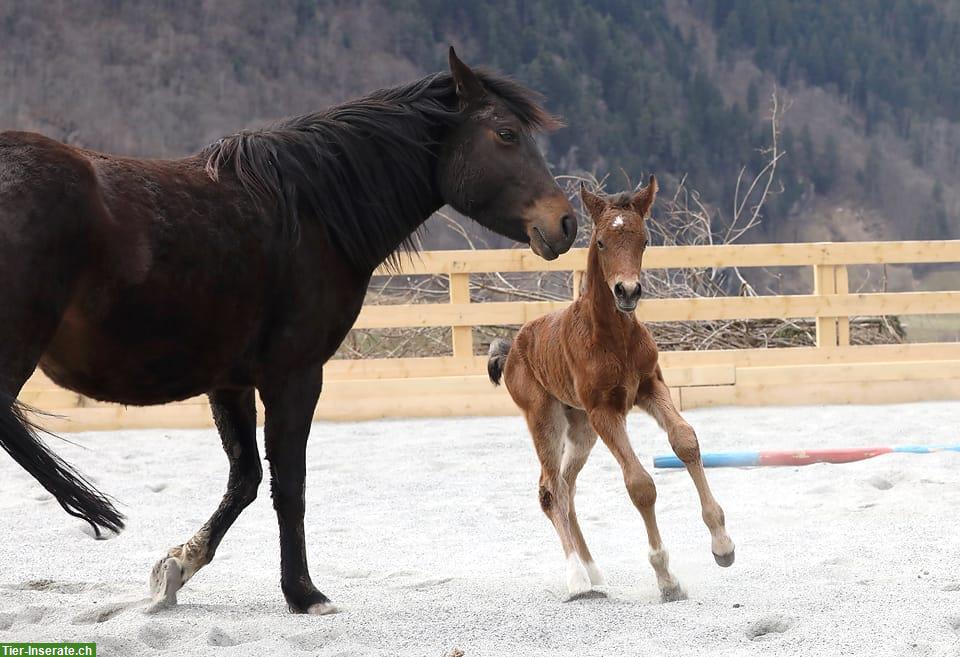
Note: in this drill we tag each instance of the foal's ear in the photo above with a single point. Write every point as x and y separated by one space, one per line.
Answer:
469 87
642 201
593 204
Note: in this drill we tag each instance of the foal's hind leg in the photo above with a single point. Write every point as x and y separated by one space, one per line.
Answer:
655 399
611 425
235 413
580 441
546 422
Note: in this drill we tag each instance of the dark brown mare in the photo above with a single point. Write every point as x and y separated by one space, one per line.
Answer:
242 268
578 372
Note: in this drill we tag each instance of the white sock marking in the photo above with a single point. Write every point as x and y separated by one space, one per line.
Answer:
578 580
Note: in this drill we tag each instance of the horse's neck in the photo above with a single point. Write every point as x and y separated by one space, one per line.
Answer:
424 199
401 190
607 323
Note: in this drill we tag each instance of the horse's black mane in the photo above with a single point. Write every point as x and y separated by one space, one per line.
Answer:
363 169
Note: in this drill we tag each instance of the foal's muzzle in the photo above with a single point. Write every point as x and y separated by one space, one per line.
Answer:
627 295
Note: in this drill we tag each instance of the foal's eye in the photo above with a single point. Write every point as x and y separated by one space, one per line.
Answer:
507 135
600 244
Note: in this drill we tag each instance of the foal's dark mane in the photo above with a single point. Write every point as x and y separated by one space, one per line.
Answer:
620 200
364 169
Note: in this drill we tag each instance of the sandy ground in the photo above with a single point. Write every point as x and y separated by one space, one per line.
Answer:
429 536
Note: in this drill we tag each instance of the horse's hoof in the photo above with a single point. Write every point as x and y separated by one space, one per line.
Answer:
322 609
166 578
673 594
724 560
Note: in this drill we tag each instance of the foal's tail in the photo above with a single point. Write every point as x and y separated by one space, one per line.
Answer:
499 349
18 436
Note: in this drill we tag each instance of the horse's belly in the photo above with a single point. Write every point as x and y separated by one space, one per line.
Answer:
138 359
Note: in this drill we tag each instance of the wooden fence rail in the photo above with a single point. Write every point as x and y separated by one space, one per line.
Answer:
832 372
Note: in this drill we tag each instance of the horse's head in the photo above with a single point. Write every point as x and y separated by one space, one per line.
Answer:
492 170
619 239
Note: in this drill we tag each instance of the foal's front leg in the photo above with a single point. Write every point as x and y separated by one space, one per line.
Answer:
611 425
654 397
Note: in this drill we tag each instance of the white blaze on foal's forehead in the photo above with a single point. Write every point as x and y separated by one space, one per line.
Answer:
618 221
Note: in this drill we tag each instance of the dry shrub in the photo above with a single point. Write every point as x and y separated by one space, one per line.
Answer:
683 219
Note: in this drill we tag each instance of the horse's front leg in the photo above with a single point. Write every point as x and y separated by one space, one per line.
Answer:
236 416
654 397
289 401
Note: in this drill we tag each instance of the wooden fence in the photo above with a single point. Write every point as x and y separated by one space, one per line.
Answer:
831 372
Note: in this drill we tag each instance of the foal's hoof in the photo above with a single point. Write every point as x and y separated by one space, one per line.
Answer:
725 560
596 575
166 578
673 594
578 579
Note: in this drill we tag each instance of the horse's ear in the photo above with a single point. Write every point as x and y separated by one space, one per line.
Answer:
469 87
642 201
593 204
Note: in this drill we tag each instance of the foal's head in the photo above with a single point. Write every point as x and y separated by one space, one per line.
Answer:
492 170
619 239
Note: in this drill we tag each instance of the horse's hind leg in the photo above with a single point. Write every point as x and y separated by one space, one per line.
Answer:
235 414
44 246
655 399
611 425
580 441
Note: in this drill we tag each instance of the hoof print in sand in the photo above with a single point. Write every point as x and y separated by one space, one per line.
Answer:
105 534
219 638
162 636
100 614
6 621
880 483
769 627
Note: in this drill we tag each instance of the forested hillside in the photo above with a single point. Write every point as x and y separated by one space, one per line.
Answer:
872 88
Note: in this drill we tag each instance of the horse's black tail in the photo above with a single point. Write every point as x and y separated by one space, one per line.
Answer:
19 436
499 349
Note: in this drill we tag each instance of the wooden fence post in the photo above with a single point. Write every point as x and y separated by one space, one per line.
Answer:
577 283
842 282
824 282
831 279
462 335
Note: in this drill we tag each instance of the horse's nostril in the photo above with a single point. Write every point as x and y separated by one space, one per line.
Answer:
618 290
569 226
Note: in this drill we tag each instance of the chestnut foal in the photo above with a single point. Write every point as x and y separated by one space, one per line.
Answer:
581 370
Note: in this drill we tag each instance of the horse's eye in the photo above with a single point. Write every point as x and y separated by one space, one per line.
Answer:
507 135
600 245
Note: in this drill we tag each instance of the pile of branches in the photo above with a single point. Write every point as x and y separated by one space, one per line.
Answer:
683 219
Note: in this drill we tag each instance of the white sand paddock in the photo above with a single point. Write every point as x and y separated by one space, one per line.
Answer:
429 536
